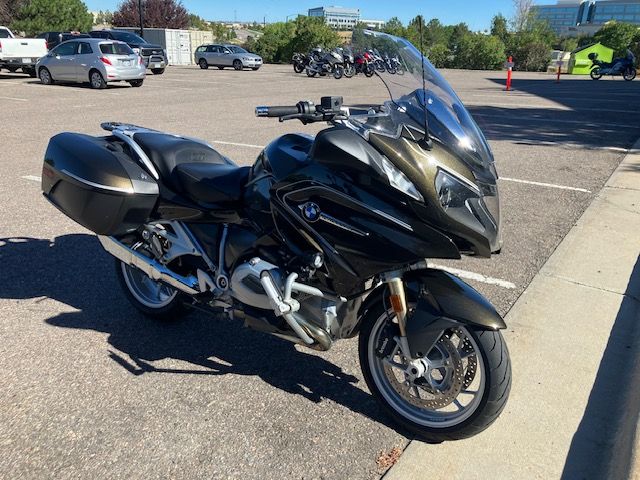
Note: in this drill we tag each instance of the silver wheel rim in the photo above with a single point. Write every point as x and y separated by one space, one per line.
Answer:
45 77
237 65
148 292
418 404
96 80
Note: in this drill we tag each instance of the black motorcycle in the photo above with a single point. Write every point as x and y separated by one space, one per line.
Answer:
323 63
322 239
300 62
624 67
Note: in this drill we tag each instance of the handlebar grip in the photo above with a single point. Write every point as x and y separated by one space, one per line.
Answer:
265 111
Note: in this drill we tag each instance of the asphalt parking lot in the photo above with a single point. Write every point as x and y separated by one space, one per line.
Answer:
89 388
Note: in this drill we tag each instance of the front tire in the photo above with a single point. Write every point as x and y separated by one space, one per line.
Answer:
629 74
463 391
237 65
338 72
45 76
153 299
596 73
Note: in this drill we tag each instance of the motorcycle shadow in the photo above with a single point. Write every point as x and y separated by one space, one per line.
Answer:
74 270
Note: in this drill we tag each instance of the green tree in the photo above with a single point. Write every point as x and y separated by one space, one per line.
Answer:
619 36
439 55
280 40
197 23
218 30
8 10
394 27
38 16
500 28
477 51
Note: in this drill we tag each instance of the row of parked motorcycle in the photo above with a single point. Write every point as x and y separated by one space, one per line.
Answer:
342 62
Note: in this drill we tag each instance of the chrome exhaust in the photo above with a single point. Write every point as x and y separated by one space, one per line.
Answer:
153 269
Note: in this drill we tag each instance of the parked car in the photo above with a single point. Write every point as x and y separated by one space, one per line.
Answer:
92 60
226 56
20 53
154 56
54 39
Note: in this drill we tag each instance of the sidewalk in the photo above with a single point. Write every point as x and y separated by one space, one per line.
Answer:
574 339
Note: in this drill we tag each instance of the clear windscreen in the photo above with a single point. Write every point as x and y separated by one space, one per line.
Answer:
419 98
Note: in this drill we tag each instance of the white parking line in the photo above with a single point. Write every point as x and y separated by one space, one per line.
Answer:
248 145
33 178
549 107
15 98
478 277
542 184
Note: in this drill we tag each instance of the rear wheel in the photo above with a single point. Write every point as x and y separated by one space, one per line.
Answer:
454 391
136 83
157 71
97 80
629 74
237 65
203 64
154 299
298 67
45 76
596 73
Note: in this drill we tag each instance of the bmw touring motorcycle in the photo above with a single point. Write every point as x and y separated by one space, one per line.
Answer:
322 239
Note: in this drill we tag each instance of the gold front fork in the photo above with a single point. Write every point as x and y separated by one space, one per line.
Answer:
398 302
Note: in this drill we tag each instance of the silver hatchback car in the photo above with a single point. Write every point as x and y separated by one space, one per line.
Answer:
92 60
226 56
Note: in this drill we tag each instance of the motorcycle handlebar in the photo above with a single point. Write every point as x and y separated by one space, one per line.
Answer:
281 111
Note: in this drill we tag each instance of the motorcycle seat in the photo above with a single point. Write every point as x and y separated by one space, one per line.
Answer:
211 183
167 152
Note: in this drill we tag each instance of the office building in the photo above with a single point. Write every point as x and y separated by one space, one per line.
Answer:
337 17
574 17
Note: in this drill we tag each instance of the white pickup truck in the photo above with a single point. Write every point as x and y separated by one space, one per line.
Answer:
16 53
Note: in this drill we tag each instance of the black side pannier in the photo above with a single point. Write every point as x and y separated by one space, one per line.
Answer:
96 182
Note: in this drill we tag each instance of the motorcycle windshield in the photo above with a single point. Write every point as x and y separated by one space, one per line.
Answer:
419 98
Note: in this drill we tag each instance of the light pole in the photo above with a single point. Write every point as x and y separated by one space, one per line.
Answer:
141 18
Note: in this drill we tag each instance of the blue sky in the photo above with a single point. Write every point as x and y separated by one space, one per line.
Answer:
474 12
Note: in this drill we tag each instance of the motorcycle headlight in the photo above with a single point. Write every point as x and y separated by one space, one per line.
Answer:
453 193
399 180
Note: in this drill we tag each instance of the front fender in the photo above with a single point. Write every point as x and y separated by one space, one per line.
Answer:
442 301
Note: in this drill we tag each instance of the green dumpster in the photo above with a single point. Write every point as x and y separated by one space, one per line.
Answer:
580 63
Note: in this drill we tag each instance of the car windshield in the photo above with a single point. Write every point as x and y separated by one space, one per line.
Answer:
418 98
235 49
127 37
115 49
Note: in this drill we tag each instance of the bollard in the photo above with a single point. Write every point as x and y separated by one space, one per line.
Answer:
509 72
558 78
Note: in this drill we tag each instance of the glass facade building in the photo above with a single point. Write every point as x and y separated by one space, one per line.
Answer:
337 17
568 14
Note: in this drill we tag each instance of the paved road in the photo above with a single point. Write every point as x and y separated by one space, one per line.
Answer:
90 388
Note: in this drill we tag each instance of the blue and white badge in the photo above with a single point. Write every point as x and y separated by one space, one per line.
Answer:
311 212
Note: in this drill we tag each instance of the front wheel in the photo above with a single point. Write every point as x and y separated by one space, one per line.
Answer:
237 65
454 391
596 73
338 72
349 70
629 74
298 67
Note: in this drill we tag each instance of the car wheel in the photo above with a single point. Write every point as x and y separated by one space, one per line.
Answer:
97 80
136 83
45 76
157 71
203 64
220 67
237 64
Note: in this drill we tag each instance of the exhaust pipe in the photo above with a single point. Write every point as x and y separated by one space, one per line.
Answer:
153 269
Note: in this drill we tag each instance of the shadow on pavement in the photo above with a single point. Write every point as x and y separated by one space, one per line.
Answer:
604 443
595 116
76 271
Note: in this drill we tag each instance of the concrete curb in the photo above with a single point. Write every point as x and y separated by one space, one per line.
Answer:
574 337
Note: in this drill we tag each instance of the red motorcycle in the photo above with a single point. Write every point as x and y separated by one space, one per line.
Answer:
364 64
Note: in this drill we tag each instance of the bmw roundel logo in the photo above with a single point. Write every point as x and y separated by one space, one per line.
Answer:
311 212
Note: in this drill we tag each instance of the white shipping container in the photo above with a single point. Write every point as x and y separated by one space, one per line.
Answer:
199 37
177 43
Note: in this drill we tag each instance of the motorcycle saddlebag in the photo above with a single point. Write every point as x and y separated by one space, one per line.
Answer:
96 182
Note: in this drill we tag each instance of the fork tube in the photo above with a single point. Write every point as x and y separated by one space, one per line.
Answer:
398 302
